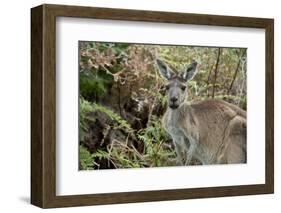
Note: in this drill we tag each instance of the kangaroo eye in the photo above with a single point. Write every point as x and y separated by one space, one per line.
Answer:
183 88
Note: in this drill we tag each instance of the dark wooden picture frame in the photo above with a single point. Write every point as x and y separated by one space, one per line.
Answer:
43 105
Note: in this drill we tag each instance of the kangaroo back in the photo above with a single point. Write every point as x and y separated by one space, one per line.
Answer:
220 129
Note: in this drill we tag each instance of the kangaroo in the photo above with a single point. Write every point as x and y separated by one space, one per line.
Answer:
210 131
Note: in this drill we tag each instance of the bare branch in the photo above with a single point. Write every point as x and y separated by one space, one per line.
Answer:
216 72
236 71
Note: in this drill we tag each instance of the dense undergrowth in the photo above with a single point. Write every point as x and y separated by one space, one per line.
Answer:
122 99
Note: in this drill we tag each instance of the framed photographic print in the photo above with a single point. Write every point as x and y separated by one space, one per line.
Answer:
136 106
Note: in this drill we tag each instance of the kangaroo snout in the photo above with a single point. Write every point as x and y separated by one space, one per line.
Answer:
174 102
174 99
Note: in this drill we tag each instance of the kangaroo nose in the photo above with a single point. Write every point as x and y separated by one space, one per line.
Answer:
174 99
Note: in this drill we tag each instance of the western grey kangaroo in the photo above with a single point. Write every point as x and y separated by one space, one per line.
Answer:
211 131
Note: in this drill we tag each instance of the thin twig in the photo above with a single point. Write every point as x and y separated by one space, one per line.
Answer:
216 72
236 71
243 82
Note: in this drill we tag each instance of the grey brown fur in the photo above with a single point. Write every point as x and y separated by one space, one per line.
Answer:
211 131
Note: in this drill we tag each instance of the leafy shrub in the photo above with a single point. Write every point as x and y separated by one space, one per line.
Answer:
121 87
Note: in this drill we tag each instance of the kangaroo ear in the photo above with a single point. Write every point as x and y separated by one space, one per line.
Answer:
189 71
164 69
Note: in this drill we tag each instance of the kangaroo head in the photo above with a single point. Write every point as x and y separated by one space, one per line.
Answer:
176 87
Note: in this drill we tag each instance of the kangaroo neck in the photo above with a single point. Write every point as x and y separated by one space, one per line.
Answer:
177 114
174 114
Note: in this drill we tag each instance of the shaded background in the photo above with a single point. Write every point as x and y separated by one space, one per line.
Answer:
122 98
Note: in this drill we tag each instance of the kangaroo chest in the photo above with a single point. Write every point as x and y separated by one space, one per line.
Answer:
172 125
174 130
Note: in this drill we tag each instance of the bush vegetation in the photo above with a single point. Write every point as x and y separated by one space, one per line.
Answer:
122 98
